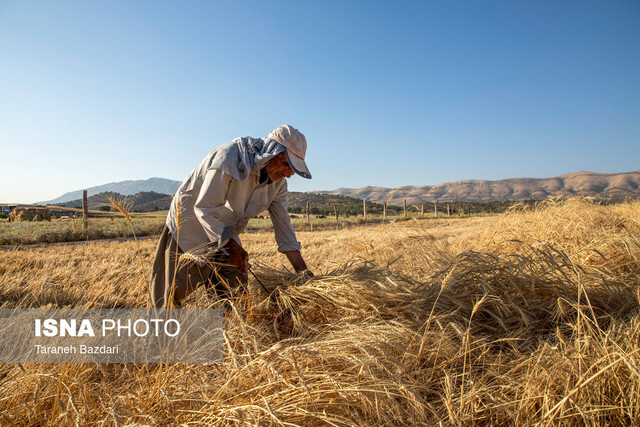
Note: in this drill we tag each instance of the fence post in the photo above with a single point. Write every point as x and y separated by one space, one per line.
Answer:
309 217
364 209
335 210
435 208
404 202
448 211
422 209
384 211
85 209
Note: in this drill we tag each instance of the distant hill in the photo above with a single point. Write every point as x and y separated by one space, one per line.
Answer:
599 185
156 185
150 201
324 204
142 202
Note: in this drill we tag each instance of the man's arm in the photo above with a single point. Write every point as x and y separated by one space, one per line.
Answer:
210 204
284 232
209 209
297 262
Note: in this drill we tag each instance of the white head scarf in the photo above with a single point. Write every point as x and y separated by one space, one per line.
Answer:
243 155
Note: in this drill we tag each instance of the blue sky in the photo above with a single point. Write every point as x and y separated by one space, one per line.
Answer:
387 93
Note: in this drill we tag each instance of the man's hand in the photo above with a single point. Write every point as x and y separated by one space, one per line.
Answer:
307 274
298 264
237 255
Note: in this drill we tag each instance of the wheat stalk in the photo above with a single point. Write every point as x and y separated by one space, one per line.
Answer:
125 214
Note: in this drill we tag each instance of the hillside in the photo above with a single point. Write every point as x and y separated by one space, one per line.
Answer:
151 201
598 185
127 188
587 184
141 202
324 204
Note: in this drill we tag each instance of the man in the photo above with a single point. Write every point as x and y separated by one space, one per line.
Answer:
232 184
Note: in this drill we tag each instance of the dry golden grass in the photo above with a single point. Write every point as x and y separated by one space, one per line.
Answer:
532 317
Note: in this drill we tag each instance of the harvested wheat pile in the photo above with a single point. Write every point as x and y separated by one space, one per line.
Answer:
30 214
531 317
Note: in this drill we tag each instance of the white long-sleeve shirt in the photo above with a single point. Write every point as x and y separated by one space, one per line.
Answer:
216 207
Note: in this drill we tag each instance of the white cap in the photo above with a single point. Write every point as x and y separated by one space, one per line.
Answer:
295 145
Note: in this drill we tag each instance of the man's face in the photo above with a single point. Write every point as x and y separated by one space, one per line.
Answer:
278 168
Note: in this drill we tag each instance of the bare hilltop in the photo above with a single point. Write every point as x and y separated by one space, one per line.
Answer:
587 184
591 184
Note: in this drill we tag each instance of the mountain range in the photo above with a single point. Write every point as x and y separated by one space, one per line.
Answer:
127 188
586 184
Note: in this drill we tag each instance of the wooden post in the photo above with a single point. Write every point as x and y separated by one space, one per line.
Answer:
335 210
384 211
435 208
404 202
85 209
422 209
448 211
309 217
364 209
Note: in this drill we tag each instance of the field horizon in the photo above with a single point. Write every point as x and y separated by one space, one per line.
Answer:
574 184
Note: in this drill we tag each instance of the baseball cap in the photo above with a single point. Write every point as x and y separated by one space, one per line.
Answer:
295 145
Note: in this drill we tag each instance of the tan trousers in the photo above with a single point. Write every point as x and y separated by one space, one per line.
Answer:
173 276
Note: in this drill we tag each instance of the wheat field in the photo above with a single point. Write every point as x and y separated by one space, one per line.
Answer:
527 318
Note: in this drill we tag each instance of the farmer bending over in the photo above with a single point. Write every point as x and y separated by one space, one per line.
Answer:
232 184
